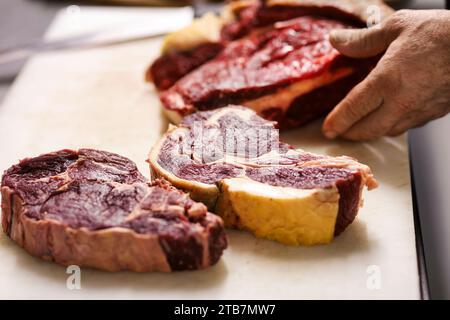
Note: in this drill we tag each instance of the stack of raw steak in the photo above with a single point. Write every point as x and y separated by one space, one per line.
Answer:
94 209
271 56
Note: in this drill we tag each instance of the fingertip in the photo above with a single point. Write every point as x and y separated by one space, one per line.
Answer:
329 134
345 41
338 36
328 129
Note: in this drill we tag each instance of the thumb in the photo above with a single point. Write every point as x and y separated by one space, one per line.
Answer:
361 43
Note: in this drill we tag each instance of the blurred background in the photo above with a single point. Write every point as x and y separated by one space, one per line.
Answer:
25 21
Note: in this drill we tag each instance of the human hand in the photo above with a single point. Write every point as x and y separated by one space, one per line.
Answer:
410 84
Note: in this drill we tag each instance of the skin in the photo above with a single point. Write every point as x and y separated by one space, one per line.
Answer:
410 84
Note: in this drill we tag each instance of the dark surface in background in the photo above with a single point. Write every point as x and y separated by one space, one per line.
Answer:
22 21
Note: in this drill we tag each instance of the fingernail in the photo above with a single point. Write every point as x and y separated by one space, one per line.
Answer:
330 134
339 36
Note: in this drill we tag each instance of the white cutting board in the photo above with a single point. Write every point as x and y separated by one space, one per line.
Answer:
97 98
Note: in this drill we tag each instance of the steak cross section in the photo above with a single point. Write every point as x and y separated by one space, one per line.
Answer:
233 161
95 209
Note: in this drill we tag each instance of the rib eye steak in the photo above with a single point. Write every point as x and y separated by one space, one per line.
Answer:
94 209
233 161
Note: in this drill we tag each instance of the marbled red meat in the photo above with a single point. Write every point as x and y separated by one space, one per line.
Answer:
234 142
257 65
99 193
289 66
170 67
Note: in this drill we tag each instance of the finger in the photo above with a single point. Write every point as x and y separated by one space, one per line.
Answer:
406 123
414 120
375 125
361 43
359 102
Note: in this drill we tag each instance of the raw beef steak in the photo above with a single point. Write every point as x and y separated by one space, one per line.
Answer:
94 209
271 56
232 160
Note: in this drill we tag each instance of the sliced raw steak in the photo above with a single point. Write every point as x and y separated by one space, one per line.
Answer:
272 56
94 209
232 160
